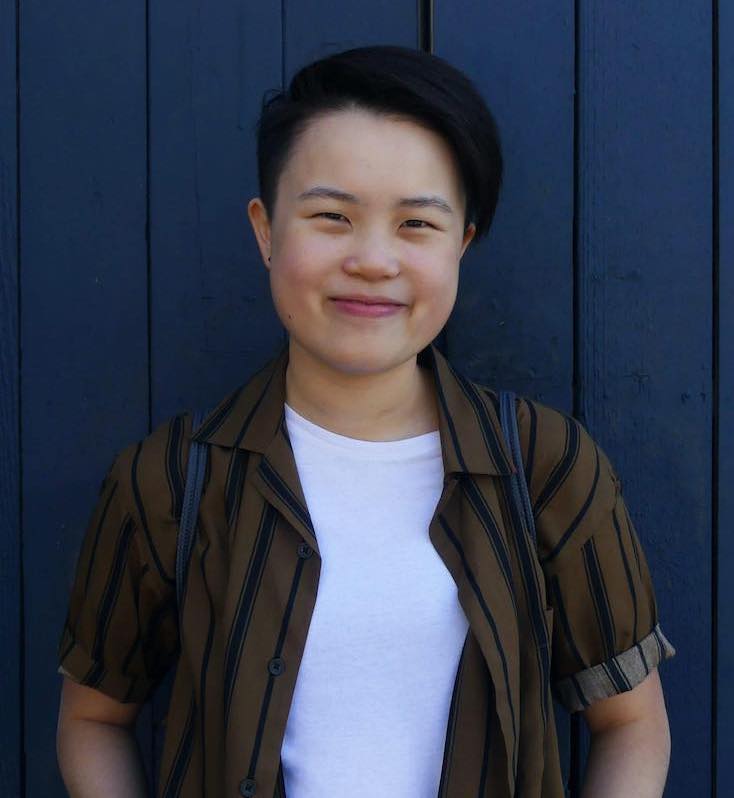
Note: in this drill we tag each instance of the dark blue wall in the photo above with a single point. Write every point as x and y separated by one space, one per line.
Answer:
131 287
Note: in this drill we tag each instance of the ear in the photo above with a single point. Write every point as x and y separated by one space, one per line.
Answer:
470 231
261 227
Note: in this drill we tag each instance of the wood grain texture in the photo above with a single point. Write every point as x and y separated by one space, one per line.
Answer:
724 753
212 321
512 326
11 683
84 324
644 345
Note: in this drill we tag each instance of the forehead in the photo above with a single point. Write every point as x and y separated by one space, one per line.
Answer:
364 151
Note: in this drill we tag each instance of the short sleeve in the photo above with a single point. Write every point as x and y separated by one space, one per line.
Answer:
120 635
606 632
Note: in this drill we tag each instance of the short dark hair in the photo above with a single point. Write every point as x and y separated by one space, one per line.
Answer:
394 81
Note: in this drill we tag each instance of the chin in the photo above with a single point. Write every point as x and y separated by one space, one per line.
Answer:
358 359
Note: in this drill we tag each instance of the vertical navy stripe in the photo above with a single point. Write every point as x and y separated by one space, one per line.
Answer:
174 474
531 590
278 650
599 594
531 445
97 533
144 520
489 431
235 481
273 479
248 593
109 600
499 545
577 520
183 756
560 609
253 411
216 420
451 425
492 625
205 666
448 747
563 469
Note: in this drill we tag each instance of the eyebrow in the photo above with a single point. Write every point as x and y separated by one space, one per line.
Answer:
433 201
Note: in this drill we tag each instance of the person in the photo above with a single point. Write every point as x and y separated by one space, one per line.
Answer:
363 614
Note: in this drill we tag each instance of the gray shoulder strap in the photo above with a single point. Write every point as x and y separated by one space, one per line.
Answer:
520 495
190 509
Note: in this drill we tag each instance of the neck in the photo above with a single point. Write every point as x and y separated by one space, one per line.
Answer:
390 405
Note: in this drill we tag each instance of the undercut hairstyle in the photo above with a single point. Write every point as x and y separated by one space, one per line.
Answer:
396 82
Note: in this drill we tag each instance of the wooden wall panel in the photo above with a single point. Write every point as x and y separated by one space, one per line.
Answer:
724 563
212 321
11 682
644 343
355 25
84 323
512 326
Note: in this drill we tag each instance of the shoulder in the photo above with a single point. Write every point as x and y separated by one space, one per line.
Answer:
148 479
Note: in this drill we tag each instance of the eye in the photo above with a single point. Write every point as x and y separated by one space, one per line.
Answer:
420 222
330 215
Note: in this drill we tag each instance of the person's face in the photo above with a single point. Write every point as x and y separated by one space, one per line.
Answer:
325 248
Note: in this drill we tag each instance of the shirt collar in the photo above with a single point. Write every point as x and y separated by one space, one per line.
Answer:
471 434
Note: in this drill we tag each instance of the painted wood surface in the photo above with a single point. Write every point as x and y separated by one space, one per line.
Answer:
11 632
142 292
643 316
84 314
723 752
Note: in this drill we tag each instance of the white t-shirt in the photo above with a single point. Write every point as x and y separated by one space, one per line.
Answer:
373 691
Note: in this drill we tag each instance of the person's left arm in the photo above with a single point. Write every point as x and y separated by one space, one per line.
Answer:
630 743
607 640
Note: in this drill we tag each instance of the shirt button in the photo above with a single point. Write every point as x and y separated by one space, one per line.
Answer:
247 788
276 666
304 551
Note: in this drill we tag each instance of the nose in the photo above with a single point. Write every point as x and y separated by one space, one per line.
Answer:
372 259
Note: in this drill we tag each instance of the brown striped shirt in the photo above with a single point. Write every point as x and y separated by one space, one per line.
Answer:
573 617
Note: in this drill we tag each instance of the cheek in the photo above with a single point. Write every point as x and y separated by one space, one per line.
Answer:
436 279
293 278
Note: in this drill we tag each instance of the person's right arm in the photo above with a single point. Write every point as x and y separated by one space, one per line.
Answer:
96 746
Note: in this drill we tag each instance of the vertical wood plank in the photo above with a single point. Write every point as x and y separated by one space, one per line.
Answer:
357 24
84 306
512 326
11 683
644 342
724 753
212 318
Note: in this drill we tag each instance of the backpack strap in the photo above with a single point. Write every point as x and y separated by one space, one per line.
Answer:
190 509
520 494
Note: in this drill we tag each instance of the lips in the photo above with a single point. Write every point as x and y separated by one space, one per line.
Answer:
368 300
371 307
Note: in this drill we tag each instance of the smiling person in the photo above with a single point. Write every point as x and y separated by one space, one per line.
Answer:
364 613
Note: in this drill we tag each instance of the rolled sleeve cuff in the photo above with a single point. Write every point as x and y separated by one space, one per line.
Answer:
617 675
78 666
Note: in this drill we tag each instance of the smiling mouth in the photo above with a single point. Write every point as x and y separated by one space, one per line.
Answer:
367 300
364 308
